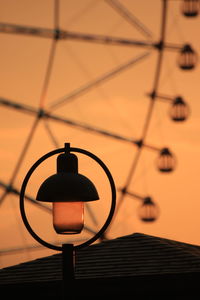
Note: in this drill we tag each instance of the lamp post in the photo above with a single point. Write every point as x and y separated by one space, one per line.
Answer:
67 190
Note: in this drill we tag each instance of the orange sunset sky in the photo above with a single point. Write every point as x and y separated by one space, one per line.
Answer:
118 105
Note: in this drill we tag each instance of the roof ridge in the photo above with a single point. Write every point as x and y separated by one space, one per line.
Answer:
149 236
188 248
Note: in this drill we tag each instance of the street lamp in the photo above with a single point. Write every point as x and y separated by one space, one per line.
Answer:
67 190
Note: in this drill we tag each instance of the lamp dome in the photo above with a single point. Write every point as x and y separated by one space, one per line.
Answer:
67 187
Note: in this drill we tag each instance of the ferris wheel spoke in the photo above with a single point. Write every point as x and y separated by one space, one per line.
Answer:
129 17
45 115
51 57
9 188
51 134
59 34
85 88
56 13
3 196
48 73
24 149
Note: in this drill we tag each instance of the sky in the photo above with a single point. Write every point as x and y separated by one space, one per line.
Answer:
118 105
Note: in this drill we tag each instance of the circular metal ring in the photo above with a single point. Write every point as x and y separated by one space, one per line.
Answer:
25 183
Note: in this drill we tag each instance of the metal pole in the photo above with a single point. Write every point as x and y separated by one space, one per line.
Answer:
67 268
67 262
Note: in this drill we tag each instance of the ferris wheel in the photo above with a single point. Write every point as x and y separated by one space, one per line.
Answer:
67 66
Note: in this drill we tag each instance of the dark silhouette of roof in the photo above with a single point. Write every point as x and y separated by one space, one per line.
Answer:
125 257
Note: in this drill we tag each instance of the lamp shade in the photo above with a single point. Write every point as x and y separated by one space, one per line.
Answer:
67 187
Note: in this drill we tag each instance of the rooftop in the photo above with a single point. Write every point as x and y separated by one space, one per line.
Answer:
128 256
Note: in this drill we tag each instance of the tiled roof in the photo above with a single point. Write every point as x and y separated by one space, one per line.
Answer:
133 255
